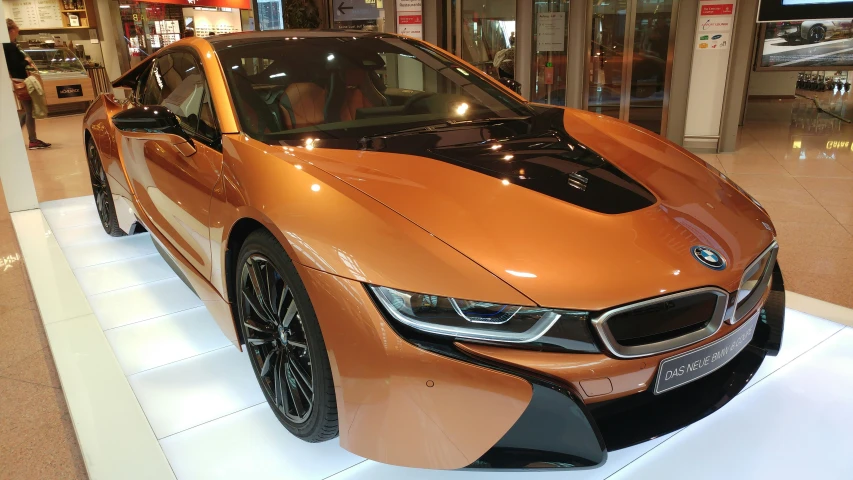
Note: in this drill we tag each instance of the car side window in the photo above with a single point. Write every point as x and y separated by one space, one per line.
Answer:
177 82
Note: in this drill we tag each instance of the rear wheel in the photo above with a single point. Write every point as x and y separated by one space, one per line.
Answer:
283 340
101 191
817 34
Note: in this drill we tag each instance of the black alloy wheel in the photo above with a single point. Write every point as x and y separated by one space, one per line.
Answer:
101 191
817 33
283 340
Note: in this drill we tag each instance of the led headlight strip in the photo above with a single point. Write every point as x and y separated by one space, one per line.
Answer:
466 319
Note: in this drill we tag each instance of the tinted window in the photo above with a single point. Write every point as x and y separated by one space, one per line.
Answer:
346 85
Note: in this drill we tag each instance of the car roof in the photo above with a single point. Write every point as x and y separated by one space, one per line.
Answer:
232 39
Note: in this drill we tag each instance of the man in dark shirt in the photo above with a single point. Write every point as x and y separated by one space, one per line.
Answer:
17 64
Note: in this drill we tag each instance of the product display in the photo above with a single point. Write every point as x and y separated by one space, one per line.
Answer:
63 75
420 261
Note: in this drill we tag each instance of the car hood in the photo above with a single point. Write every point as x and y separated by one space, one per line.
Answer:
574 210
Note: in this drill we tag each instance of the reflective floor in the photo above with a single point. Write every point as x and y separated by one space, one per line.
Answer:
36 435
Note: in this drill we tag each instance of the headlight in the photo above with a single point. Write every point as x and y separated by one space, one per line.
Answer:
755 280
489 322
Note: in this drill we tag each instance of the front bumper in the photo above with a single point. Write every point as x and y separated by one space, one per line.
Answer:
405 400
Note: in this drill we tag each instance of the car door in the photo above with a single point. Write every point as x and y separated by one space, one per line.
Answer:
173 182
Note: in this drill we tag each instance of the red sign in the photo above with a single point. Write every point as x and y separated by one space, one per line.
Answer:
410 19
241 4
717 9
549 75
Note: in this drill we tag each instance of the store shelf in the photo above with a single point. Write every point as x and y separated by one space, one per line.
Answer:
72 11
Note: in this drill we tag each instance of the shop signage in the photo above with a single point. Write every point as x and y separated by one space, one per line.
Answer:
241 4
410 18
69 91
550 31
717 9
34 13
712 48
349 10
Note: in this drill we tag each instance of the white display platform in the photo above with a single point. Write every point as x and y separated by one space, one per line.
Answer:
209 417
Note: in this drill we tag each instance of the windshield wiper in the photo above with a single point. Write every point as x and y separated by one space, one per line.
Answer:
374 142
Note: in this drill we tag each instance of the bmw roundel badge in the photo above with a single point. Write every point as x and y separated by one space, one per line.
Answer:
708 257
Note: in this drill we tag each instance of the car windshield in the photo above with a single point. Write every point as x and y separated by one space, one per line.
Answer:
351 87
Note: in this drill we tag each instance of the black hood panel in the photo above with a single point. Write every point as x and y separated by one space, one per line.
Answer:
537 154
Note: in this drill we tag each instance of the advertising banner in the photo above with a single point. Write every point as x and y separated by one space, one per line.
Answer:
807 45
410 18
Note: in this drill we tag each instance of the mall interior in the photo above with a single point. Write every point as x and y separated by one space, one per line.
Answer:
114 365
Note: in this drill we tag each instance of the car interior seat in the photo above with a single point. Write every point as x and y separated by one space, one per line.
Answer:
352 89
261 117
303 104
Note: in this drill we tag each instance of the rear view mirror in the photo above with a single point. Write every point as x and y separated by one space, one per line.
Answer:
150 119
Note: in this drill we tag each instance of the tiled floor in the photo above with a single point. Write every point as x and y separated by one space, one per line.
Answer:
37 438
60 171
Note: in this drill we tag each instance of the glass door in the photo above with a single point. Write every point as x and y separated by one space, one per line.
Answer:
629 64
550 51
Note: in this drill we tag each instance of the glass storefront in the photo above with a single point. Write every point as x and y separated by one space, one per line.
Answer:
148 27
488 36
628 67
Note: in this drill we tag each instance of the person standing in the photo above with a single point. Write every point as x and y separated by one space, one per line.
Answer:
17 63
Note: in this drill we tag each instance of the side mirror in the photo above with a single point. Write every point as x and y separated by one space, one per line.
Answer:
151 119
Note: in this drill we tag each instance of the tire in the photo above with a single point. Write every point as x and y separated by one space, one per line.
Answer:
283 339
101 191
816 34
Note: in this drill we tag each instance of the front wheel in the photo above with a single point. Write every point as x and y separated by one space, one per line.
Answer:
101 191
284 341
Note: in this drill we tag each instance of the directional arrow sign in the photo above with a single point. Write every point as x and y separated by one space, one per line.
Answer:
349 10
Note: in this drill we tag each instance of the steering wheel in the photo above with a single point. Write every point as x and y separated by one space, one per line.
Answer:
411 102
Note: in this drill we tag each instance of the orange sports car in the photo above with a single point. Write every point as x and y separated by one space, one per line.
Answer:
422 262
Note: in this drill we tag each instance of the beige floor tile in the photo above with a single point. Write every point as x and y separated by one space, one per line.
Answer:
21 334
36 368
816 168
774 188
60 171
37 440
829 191
820 260
790 212
829 288
813 234
842 213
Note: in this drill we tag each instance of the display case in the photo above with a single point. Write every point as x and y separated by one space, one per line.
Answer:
63 75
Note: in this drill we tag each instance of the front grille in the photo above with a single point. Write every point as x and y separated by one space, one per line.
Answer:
663 320
664 323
